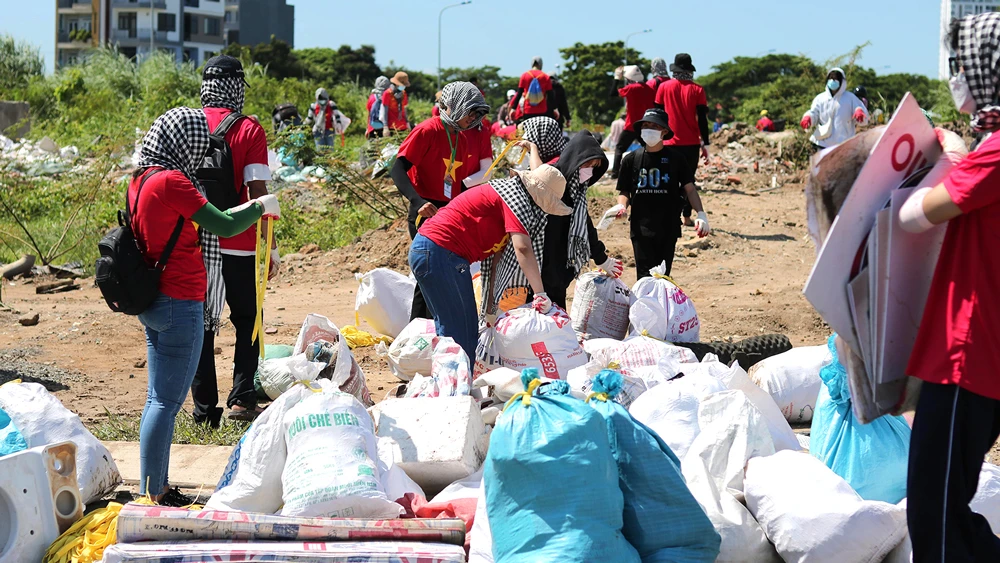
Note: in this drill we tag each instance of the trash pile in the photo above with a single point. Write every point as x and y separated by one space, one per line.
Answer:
607 433
38 158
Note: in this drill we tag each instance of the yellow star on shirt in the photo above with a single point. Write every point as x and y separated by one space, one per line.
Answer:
455 166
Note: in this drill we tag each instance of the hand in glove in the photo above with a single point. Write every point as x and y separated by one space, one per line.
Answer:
269 204
275 265
541 303
952 145
620 73
490 319
859 115
806 122
621 212
701 224
612 266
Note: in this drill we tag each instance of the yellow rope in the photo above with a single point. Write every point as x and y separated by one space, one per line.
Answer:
663 277
260 280
602 397
525 395
85 541
357 338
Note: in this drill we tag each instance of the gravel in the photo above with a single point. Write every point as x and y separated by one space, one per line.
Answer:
14 364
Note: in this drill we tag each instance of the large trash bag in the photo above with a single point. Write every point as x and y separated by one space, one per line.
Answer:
662 519
551 481
11 439
872 457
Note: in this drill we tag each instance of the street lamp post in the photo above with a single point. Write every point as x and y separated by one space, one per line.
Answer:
441 13
627 37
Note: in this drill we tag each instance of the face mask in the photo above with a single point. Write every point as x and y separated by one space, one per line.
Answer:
322 102
961 94
833 85
401 88
650 136
586 174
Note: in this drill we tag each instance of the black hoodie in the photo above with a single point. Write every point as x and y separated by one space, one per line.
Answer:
581 148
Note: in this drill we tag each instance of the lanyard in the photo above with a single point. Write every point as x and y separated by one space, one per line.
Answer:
451 145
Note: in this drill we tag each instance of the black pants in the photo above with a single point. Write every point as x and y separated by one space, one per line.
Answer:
625 141
241 295
419 308
952 431
692 154
651 249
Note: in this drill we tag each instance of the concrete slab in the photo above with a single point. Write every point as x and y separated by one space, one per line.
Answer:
190 466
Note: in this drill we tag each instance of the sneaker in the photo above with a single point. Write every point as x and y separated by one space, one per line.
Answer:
176 499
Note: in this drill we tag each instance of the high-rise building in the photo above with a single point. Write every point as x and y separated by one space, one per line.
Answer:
249 22
188 29
956 9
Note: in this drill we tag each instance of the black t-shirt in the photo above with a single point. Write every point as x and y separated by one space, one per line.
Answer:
655 188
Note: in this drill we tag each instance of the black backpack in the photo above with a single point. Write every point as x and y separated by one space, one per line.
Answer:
216 171
124 277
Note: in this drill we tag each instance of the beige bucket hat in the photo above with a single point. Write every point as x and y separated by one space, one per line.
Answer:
401 79
546 185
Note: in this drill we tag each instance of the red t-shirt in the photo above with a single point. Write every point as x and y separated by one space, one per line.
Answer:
248 142
394 111
544 81
959 341
765 124
167 195
655 82
638 98
680 99
476 225
428 147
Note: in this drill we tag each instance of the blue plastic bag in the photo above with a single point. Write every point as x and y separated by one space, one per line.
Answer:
662 519
551 481
873 457
11 439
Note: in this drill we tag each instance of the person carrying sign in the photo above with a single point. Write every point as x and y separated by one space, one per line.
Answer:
436 158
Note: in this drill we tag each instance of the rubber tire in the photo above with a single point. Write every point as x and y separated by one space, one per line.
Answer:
748 351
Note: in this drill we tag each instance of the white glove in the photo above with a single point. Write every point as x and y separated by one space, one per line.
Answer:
490 319
701 224
275 264
541 303
269 203
911 215
619 73
612 266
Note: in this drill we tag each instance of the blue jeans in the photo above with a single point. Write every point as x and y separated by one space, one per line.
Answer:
446 283
175 329
324 139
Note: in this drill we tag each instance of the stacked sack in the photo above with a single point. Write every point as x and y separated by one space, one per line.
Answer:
384 300
410 353
320 340
600 306
525 338
662 310
606 468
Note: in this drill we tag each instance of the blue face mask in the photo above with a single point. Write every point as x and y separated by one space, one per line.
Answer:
401 88
833 85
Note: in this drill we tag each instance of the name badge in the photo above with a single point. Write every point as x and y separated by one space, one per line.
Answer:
447 187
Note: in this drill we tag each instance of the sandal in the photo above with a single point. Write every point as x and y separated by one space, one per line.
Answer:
243 414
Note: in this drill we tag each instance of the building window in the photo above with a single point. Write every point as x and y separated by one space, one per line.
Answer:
166 22
212 27
191 3
233 36
190 26
126 22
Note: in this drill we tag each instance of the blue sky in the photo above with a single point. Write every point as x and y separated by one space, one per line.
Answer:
904 33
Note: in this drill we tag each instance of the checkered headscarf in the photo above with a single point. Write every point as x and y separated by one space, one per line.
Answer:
546 133
464 99
226 93
508 272
179 140
979 55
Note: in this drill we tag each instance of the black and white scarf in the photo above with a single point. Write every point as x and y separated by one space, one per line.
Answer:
546 134
508 273
979 55
226 93
578 254
682 75
179 140
462 99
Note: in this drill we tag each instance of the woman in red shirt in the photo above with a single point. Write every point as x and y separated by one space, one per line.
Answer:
166 201
503 216
375 127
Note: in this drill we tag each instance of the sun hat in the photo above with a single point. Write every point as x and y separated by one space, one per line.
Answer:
401 79
546 185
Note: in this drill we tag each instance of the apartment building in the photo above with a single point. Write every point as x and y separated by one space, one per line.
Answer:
191 30
249 22
956 9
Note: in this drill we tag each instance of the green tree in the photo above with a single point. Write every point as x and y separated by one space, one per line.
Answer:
488 78
19 62
587 77
276 56
422 85
345 64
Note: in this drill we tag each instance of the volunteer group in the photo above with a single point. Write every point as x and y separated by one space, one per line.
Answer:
531 235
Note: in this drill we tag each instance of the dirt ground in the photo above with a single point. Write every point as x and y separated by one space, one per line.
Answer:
746 280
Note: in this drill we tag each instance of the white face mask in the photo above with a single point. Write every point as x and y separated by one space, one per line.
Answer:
586 174
961 94
651 136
